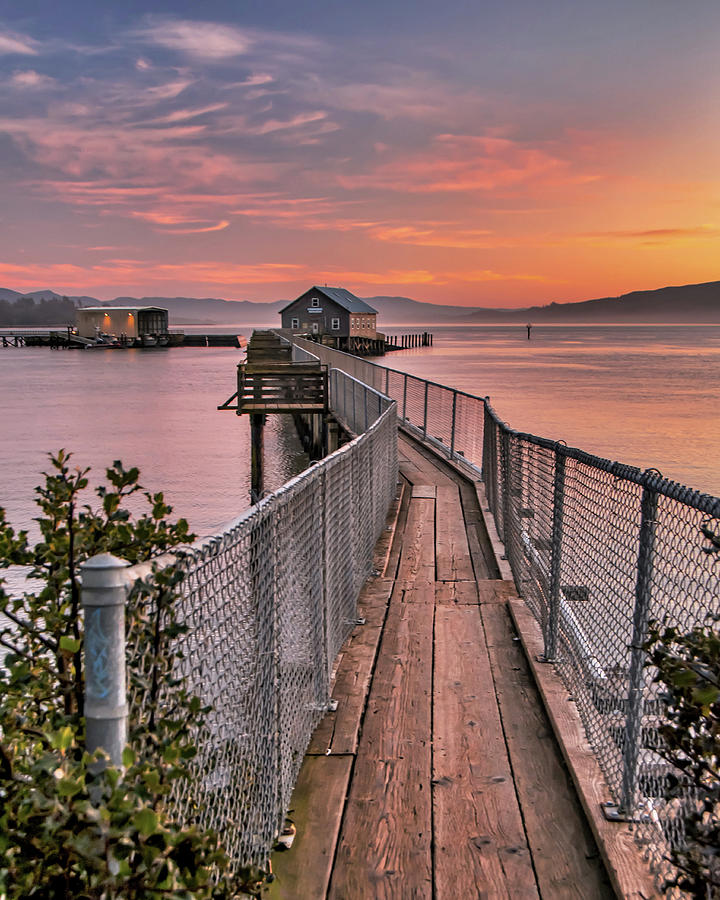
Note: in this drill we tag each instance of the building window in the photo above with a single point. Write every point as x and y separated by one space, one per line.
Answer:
335 324
295 323
315 301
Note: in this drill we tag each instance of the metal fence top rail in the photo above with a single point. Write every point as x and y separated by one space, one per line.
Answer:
649 478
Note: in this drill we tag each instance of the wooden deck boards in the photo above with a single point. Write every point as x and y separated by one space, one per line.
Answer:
480 844
446 781
385 842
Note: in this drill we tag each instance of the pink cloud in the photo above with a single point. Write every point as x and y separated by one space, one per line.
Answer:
461 163
31 80
220 226
10 42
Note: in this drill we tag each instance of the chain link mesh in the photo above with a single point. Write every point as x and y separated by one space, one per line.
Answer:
267 604
598 550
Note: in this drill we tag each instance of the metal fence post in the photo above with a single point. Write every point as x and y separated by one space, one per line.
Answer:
365 400
104 591
636 681
405 398
387 382
488 468
506 490
425 412
551 629
452 427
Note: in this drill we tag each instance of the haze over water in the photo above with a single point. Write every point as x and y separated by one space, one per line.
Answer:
643 395
156 409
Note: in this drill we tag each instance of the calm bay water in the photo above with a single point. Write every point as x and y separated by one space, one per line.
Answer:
156 409
643 395
647 396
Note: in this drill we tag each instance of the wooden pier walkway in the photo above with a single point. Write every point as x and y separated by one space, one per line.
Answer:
438 776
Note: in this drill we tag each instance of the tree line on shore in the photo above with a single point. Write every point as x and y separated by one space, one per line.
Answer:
25 312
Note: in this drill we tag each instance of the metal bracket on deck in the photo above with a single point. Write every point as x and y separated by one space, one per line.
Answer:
332 706
613 813
359 621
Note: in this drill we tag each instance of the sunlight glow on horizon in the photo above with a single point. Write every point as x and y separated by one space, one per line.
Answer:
250 156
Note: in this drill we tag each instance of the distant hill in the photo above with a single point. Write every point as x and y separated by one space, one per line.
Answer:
690 303
208 310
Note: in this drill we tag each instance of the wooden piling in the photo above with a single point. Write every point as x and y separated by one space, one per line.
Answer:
257 422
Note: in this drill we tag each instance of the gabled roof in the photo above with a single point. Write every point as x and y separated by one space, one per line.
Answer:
343 298
132 309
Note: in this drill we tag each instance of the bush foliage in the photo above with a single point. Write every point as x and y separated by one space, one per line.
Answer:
71 825
688 669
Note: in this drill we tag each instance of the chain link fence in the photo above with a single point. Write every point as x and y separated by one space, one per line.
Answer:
268 603
598 550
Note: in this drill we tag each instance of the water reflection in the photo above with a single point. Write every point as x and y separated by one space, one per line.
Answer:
646 395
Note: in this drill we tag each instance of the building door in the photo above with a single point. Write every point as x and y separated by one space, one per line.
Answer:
315 327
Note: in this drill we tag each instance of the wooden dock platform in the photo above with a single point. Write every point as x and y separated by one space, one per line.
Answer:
439 775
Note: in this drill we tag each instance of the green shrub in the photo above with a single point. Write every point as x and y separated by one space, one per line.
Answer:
71 825
688 669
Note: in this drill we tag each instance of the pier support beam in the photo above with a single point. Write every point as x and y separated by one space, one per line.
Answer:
257 423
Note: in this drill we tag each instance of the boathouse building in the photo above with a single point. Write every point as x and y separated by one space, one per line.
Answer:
130 321
332 315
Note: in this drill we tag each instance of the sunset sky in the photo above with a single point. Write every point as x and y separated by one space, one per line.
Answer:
475 153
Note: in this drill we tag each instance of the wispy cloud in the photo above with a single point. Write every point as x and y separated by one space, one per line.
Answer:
184 115
461 163
11 42
656 236
201 229
434 236
167 91
297 121
31 80
203 40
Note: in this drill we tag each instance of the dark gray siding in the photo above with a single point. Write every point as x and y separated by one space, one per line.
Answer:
328 310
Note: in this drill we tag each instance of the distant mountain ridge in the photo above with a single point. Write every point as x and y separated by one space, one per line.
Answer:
690 303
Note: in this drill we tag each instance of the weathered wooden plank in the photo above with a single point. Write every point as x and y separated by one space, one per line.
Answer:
494 591
623 861
417 558
317 805
452 552
393 560
496 545
373 600
424 491
456 593
384 849
480 846
337 732
565 856
383 547
410 473
481 551
436 474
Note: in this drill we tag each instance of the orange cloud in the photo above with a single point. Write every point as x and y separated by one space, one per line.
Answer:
656 236
220 226
470 239
461 163
123 272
